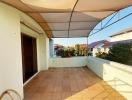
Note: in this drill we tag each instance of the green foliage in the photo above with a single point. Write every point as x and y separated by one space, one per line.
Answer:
101 55
121 53
66 53
78 48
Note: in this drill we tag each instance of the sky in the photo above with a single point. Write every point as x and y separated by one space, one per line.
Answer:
104 34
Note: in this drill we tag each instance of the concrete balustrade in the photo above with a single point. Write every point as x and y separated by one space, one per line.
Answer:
117 75
68 62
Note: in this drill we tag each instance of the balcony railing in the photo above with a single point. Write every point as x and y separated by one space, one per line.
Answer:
118 76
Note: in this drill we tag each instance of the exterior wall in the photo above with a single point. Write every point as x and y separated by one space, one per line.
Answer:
117 75
121 37
47 53
10 48
68 62
10 51
51 47
42 54
95 50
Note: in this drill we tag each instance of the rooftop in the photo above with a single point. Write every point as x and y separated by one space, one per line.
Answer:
92 45
125 31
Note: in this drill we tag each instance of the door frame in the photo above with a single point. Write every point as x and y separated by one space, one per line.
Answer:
35 58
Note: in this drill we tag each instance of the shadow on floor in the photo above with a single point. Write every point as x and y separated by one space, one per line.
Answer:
69 84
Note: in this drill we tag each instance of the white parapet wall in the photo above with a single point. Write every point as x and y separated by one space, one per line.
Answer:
117 75
68 62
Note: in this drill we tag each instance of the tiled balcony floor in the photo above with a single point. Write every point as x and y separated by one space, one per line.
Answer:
69 84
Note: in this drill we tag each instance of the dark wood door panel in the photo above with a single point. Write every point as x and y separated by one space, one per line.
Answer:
29 56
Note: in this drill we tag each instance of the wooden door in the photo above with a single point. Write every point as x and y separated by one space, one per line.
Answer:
29 56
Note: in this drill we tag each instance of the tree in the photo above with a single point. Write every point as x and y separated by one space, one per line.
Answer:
101 55
121 53
78 48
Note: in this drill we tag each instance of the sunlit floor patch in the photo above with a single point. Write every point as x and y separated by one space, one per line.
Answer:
69 84
99 91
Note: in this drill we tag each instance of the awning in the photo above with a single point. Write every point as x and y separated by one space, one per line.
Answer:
68 18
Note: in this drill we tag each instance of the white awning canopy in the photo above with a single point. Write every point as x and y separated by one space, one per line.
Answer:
62 18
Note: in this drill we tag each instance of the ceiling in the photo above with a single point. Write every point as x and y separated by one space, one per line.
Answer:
68 18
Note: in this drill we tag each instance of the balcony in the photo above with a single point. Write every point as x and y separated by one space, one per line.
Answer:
28 72
67 80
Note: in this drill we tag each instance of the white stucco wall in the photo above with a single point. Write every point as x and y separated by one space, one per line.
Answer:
68 62
121 37
10 48
117 75
95 50
43 57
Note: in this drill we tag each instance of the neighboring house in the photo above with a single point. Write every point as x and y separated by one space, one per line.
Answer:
122 35
99 46
124 41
